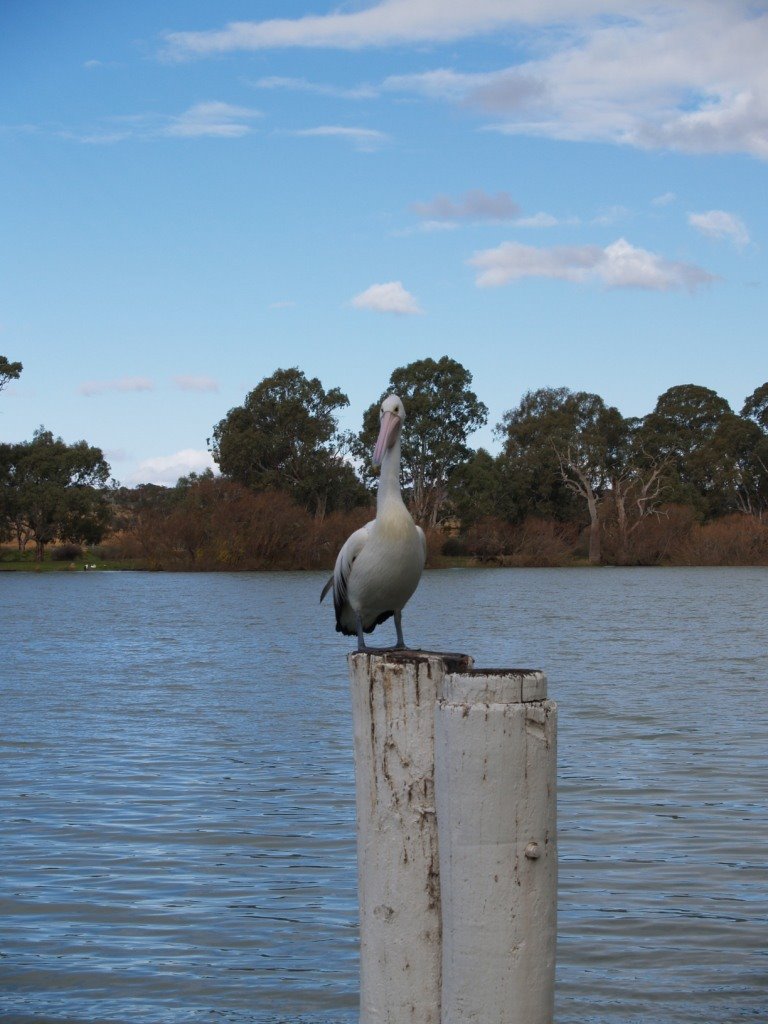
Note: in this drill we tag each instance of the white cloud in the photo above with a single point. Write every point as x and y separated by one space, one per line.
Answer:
189 383
166 469
365 139
387 23
664 200
611 215
473 205
425 227
212 119
92 65
98 387
688 75
619 265
719 224
387 298
284 304
543 220
360 92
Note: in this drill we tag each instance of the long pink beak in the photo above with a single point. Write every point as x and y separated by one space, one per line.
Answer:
390 424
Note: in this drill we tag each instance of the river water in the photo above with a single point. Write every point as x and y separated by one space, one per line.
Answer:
177 791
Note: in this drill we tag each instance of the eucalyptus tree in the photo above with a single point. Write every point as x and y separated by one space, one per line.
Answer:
8 371
756 407
682 432
55 491
441 411
565 448
285 437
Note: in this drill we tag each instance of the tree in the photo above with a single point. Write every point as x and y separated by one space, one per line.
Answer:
637 489
285 437
475 488
55 491
441 411
8 371
530 459
756 406
566 443
738 459
680 431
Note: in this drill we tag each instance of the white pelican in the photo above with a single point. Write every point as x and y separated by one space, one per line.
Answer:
380 565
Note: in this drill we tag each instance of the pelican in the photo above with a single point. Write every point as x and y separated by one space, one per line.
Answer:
379 566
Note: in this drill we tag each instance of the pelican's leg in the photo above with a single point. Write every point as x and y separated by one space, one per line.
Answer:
399 628
360 635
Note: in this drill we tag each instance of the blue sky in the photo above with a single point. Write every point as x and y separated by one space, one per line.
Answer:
194 194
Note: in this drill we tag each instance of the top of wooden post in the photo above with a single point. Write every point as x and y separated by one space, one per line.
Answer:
494 686
462 683
452 662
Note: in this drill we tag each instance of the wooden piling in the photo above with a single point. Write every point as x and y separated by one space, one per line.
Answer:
457 853
495 780
393 701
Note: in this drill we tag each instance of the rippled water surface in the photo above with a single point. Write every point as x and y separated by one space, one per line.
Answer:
177 792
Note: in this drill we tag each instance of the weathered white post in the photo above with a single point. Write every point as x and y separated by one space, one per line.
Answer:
462 762
495 779
393 702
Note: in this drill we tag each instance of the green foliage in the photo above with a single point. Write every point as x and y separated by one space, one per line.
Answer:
479 488
53 491
8 371
756 406
556 441
285 437
441 411
682 431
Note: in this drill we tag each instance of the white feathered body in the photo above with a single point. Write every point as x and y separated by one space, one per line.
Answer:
378 569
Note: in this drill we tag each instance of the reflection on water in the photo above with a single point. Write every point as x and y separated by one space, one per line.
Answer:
176 790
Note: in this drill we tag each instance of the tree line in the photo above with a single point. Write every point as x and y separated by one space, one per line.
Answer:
574 479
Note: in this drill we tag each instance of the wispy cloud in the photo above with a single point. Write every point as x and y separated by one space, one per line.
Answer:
93 65
682 75
719 224
283 304
476 206
544 220
367 140
276 82
382 24
125 384
473 205
611 215
210 119
664 200
190 383
619 265
166 469
390 297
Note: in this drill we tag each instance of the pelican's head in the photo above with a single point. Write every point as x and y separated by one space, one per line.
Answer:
392 416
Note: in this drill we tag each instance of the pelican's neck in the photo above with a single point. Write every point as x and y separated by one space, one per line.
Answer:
388 495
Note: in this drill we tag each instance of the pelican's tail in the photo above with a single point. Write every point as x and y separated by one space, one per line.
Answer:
326 588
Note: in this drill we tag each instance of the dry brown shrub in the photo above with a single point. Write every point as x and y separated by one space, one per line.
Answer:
331 532
545 542
658 539
736 539
535 542
490 539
